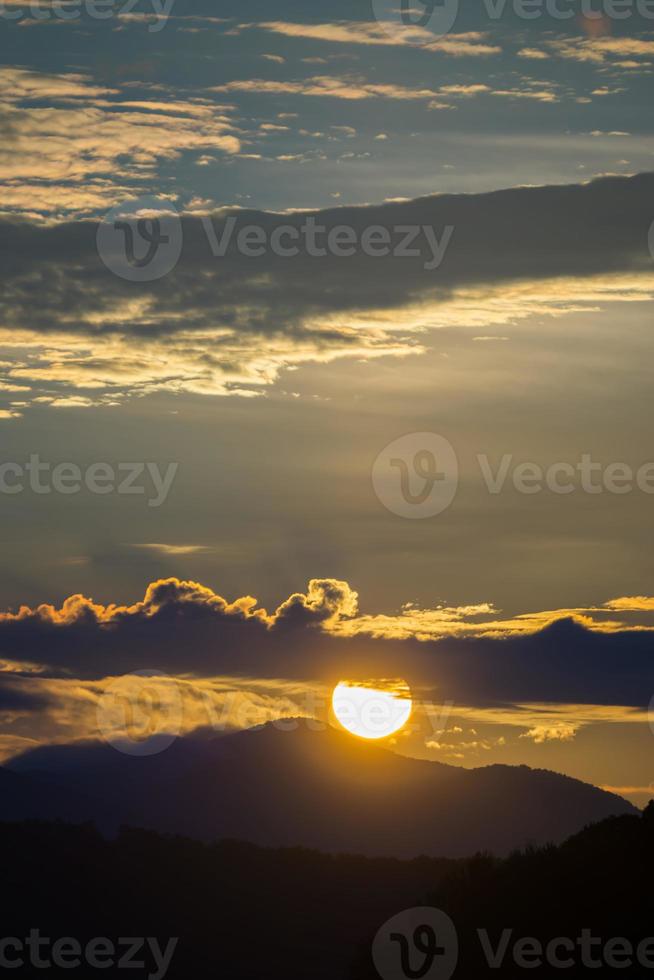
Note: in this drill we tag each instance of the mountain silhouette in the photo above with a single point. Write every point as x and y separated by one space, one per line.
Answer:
316 789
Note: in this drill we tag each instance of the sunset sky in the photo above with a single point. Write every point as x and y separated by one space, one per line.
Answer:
264 389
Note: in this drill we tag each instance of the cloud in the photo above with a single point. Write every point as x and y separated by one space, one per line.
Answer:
370 33
231 324
465 90
599 50
638 603
482 620
325 601
354 88
556 733
22 84
230 664
70 145
534 53
537 95
349 87
62 710
184 628
174 550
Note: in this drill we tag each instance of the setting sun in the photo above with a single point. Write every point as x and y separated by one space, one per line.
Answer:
372 709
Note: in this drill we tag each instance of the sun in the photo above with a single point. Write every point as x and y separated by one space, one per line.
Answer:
372 709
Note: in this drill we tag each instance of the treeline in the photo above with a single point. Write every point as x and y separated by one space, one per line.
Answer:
240 911
250 913
584 906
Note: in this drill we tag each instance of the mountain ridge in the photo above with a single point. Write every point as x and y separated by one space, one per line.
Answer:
318 789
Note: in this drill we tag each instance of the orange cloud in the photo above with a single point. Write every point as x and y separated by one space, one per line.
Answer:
326 601
369 33
333 605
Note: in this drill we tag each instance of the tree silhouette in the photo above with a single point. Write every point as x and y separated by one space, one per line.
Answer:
250 913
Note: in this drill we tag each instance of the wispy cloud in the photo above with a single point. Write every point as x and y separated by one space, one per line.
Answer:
70 145
473 43
174 550
598 50
349 88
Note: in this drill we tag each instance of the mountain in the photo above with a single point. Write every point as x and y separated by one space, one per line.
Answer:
318 789
40 795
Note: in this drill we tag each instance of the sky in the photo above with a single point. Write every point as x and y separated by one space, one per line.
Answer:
247 436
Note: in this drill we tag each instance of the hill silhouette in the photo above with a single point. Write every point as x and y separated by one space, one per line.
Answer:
247 913
598 881
318 789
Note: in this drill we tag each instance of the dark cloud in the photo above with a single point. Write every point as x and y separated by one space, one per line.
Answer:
222 325
519 234
183 628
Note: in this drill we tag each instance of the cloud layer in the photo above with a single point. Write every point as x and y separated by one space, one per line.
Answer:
593 656
219 325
